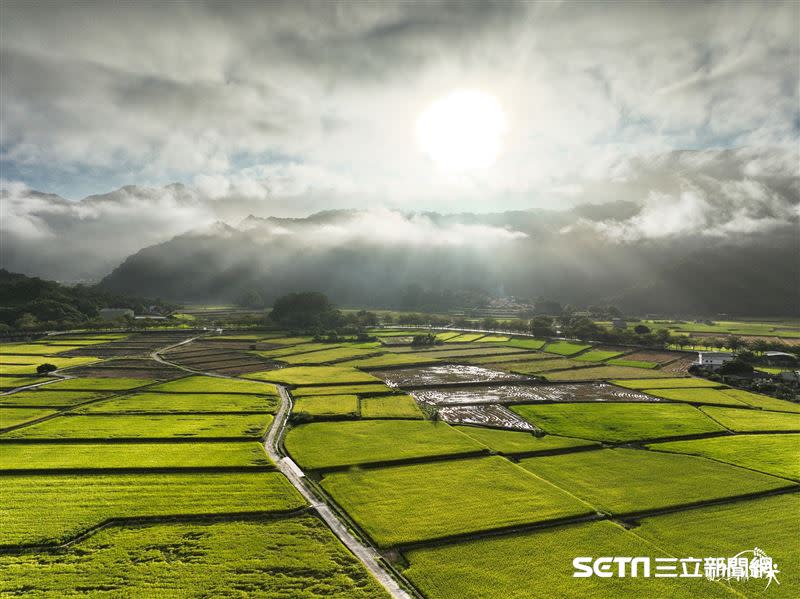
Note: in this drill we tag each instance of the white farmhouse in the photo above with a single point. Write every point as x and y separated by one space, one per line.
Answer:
712 360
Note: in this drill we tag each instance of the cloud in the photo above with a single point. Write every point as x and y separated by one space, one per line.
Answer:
715 194
324 96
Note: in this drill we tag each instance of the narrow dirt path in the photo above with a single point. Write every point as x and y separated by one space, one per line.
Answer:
367 555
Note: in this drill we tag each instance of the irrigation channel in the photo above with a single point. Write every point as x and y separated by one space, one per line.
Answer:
272 444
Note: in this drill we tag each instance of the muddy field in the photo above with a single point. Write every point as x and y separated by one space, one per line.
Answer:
437 375
660 357
224 357
136 345
129 369
679 366
500 394
490 415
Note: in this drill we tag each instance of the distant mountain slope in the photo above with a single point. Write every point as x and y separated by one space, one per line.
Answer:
373 258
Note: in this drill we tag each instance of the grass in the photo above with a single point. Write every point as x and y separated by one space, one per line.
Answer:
617 421
510 442
54 508
91 456
327 355
179 402
326 405
98 384
667 383
564 348
744 421
15 416
725 530
601 373
634 363
393 360
213 384
310 375
539 565
390 406
702 395
341 389
624 481
289 557
42 398
597 355
526 343
336 444
428 501
145 427
761 401
773 454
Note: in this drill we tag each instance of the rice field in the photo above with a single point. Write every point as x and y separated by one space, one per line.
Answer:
618 422
763 402
465 338
407 504
287 557
326 406
388 360
92 456
142 403
772 454
537 366
666 383
15 416
745 421
14 382
337 444
633 363
390 406
326 355
596 355
564 348
539 565
97 384
43 398
625 481
210 384
511 442
703 395
726 530
526 343
603 373
55 508
444 373
140 426
310 375
359 389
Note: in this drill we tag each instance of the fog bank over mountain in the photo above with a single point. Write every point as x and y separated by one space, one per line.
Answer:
379 258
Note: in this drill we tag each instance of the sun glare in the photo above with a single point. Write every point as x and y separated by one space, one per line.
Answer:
463 130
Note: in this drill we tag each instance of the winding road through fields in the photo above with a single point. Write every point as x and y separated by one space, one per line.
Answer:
366 554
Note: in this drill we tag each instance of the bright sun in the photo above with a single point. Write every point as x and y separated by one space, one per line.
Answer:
462 130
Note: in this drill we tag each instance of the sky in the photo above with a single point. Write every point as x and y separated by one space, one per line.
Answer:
287 108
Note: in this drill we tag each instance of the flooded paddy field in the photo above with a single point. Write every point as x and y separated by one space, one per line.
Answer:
442 374
491 415
500 394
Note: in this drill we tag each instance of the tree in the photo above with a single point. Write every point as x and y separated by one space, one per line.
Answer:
490 323
309 309
734 343
641 329
542 326
46 368
250 299
736 367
